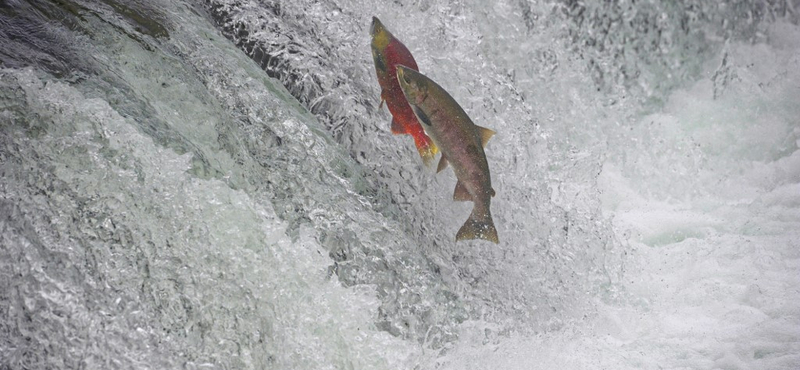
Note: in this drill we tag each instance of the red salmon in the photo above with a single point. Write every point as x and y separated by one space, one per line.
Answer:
388 52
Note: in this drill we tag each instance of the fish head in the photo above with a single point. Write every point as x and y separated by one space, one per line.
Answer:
380 40
380 35
413 84
376 26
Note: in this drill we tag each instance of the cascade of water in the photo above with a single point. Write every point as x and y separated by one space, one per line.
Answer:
212 184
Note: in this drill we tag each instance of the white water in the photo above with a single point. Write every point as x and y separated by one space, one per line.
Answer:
165 204
705 192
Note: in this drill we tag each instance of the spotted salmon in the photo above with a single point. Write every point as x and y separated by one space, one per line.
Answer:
461 143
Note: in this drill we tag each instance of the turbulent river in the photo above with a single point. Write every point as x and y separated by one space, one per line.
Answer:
214 185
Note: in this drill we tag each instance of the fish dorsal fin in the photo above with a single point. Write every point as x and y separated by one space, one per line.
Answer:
461 194
442 164
485 134
397 128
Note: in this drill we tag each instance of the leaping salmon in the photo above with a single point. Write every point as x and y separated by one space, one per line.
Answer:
461 143
387 53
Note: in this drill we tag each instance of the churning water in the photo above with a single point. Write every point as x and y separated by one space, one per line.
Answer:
212 184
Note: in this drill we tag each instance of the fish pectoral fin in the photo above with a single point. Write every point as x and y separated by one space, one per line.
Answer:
442 164
383 99
493 192
461 194
421 116
486 134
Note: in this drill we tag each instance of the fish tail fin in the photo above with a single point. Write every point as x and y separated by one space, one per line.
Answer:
478 226
427 150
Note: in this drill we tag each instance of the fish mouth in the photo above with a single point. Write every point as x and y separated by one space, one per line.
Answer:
376 27
401 76
405 77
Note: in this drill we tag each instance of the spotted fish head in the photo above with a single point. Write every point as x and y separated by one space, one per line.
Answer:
413 84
